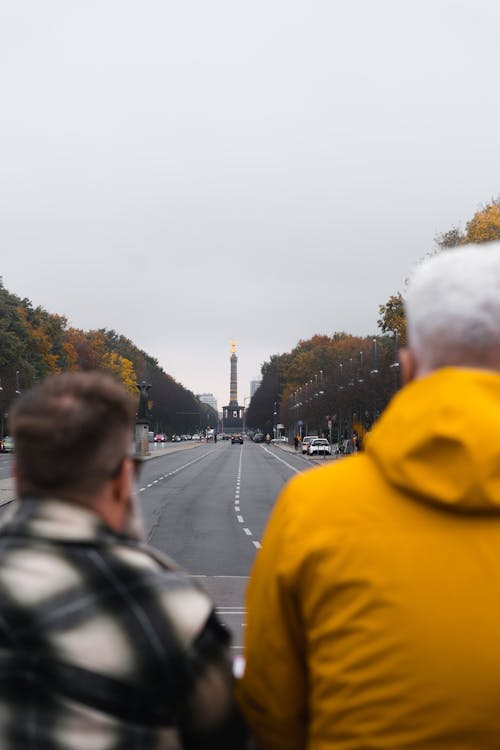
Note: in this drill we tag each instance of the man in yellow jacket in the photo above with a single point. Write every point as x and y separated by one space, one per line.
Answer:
374 604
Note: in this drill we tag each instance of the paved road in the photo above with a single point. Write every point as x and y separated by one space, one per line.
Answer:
6 460
207 508
206 505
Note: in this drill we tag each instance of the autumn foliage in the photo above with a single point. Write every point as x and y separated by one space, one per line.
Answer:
326 385
342 380
35 343
483 227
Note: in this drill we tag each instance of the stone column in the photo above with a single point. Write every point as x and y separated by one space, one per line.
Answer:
233 389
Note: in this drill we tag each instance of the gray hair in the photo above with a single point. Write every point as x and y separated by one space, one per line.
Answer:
453 308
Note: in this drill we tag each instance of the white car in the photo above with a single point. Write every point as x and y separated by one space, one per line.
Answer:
319 445
305 442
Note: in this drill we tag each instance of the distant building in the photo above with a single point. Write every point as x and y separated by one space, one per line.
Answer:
254 384
208 398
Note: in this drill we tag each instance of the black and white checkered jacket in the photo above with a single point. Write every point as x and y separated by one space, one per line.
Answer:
104 644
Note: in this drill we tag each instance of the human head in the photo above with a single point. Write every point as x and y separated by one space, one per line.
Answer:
453 311
72 434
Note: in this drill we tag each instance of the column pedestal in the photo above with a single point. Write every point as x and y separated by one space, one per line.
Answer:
141 440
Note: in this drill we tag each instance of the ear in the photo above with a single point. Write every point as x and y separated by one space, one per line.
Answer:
121 483
113 504
408 365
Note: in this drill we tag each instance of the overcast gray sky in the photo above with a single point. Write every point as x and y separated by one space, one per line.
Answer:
198 171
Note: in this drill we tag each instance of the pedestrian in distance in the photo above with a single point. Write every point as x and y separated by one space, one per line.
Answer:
104 642
296 442
372 618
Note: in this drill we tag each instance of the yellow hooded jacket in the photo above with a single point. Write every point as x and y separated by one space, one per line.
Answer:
374 604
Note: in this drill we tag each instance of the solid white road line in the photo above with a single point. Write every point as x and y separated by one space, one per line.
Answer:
292 468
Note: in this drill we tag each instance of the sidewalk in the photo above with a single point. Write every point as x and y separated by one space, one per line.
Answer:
7 493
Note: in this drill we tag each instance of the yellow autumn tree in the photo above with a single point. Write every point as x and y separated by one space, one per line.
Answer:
123 368
484 225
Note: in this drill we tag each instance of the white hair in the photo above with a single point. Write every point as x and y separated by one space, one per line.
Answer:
453 308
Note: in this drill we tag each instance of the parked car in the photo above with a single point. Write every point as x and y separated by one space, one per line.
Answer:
319 445
160 438
281 439
236 439
305 442
258 437
196 436
8 444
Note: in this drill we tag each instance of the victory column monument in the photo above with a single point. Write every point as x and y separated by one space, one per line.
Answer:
232 414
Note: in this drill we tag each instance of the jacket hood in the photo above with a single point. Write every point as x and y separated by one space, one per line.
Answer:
439 440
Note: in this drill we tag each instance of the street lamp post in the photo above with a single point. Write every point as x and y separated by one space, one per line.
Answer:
245 399
395 358
374 373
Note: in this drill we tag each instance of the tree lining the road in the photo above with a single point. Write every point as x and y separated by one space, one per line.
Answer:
342 379
347 380
36 343
483 227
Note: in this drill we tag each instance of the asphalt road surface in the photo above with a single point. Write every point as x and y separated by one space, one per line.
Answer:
206 505
6 460
207 508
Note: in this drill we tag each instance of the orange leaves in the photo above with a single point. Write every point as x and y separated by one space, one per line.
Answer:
94 350
485 224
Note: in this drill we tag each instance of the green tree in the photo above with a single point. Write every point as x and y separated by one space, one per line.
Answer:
392 317
452 238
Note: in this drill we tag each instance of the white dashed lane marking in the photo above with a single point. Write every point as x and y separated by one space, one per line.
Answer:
175 471
237 493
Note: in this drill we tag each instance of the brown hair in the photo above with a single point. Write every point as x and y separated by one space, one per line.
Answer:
71 432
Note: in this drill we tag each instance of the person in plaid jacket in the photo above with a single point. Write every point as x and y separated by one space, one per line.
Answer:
104 642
